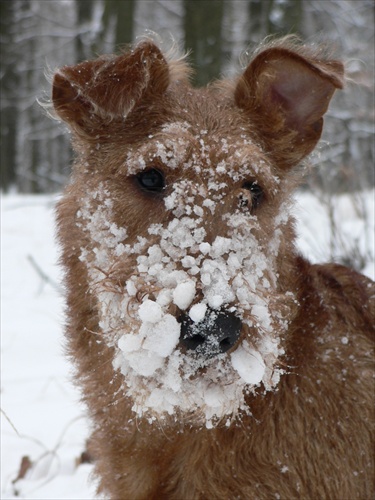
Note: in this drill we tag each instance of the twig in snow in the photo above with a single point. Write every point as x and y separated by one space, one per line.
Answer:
11 423
45 278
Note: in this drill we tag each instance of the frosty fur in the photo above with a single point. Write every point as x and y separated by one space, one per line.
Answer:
286 412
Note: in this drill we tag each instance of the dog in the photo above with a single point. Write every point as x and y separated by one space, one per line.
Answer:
215 361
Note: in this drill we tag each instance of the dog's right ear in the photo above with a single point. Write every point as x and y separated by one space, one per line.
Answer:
286 93
88 95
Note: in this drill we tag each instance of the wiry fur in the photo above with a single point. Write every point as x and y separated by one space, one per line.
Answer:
311 434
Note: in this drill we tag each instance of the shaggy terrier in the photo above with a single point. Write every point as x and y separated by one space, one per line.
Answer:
215 361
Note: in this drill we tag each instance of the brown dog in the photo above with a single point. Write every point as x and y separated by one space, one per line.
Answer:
215 361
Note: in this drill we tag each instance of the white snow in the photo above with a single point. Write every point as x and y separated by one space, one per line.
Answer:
150 311
197 312
184 294
163 337
41 416
249 364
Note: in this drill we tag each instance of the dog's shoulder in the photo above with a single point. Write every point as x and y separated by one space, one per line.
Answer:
349 293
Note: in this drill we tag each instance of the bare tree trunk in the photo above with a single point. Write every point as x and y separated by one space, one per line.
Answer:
9 82
203 22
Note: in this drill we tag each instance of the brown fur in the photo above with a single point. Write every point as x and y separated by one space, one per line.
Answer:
312 435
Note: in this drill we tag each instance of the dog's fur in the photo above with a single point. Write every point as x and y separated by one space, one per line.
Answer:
303 428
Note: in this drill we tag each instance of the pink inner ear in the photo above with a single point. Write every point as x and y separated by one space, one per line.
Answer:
300 90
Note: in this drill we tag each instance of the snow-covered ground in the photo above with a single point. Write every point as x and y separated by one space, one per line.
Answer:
42 421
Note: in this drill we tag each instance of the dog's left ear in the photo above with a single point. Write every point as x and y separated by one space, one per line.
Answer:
286 94
91 94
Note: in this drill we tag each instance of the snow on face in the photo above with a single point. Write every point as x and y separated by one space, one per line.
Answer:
177 267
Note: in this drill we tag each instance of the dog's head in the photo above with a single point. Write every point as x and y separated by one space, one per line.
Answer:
182 209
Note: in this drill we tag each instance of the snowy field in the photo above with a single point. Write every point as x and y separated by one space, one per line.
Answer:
42 422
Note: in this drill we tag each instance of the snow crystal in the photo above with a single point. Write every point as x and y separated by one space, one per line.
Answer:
249 364
143 362
205 248
197 312
130 343
150 311
184 294
164 297
261 313
163 337
216 301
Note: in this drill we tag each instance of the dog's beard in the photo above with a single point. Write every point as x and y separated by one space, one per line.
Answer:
174 269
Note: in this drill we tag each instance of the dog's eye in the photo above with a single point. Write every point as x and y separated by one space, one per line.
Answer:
151 180
257 194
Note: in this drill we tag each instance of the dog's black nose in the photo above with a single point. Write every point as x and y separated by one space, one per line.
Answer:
216 333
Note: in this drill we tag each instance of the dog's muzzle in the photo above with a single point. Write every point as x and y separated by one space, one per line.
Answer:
215 334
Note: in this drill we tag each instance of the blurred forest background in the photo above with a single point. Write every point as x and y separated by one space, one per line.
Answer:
44 34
